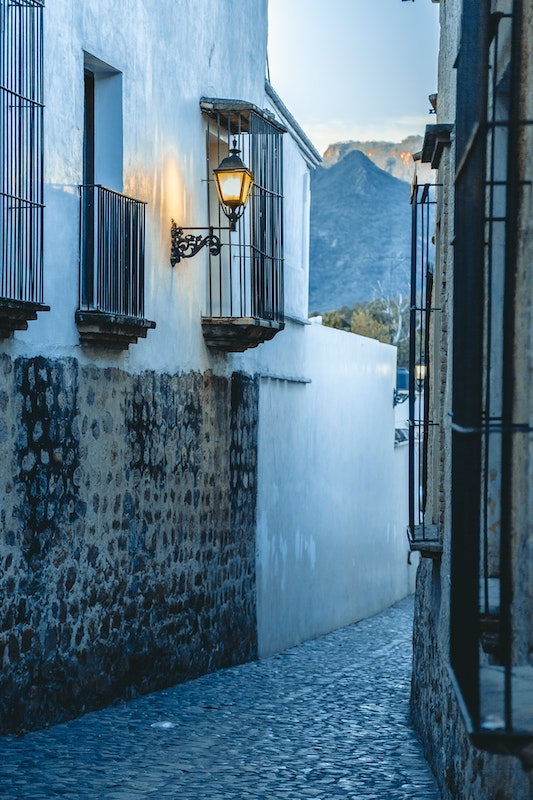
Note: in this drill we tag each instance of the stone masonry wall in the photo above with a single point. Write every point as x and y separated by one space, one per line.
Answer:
127 533
463 771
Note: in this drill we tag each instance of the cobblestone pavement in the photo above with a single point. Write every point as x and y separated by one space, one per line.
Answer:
325 720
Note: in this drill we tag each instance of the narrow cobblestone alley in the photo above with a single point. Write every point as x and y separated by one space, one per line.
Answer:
327 719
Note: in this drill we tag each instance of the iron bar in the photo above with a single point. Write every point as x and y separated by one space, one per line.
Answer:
412 357
508 367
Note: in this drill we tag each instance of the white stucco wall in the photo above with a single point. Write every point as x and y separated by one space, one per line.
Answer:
299 157
332 508
296 232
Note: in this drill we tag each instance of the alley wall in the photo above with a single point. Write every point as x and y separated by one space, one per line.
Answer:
332 500
128 545
463 769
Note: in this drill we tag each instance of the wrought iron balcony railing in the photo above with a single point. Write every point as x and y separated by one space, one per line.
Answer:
423 534
245 295
111 282
21 164
112 231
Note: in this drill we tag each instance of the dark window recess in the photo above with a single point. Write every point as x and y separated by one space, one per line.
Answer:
244 304
21 166
88 197
423 536
489 604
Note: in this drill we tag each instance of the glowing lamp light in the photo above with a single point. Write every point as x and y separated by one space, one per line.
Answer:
420 375
420 372
233 181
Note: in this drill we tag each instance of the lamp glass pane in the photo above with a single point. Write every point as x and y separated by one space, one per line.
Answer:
246 186
233 186
420 372
230 187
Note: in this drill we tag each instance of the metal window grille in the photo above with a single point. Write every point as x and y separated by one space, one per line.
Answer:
422 259
246 280
112 242
489 640
21 150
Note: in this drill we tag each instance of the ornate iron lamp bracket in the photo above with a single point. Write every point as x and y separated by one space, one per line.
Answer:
399 397
186 245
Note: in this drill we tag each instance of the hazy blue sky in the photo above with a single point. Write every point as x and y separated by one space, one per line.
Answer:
355 69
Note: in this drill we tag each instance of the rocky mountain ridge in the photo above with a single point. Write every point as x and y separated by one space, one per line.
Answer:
360 245
396 158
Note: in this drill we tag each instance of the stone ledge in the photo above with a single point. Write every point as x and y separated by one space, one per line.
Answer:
425 539
236 334
15 315
111 331
492 733
436 138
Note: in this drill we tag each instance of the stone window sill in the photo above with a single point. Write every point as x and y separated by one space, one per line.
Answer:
99 329
15 315
236 334
426 540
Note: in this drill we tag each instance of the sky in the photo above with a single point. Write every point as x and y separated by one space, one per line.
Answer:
355 69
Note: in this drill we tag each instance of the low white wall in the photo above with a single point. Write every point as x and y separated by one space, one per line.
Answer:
332 493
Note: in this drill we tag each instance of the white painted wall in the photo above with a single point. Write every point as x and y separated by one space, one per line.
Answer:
299 156
332 511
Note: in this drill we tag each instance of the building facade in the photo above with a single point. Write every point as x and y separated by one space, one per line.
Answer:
472 694
175 436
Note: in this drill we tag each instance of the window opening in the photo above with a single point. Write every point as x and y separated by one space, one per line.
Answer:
112 225
88 194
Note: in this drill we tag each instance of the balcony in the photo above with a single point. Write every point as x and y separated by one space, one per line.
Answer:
244 304
248 299
112 237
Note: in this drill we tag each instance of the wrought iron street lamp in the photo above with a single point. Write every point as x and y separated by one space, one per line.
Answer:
233 181
420 375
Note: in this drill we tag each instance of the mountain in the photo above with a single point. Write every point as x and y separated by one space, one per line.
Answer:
394 158
360 245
